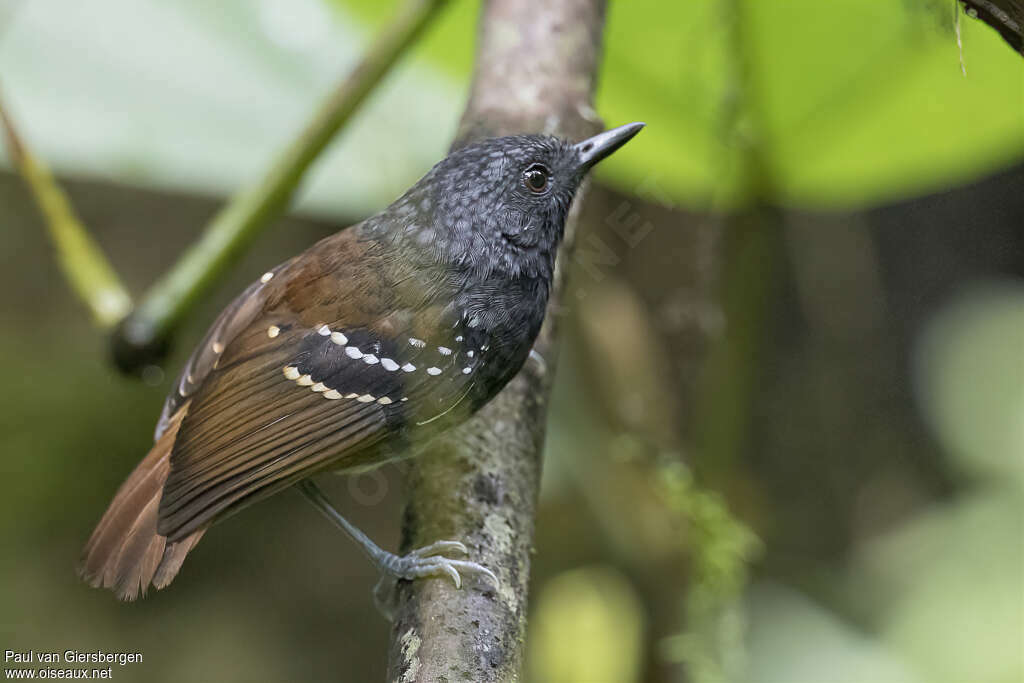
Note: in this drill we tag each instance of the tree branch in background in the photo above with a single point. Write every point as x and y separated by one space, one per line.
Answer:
86 268
684 549
1005 16
142 338
536 68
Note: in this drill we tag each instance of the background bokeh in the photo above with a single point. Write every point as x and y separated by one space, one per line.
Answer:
787 440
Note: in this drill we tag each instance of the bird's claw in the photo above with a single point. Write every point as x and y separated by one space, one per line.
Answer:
440 548
430 560
422 563
437 566
420 567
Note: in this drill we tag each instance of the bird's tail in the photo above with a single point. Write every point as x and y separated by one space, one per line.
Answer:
125 553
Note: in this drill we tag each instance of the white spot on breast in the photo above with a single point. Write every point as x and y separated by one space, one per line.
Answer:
305 380
353 352
384 400
324 330
291 372
370 359
332 395
319 386
217 347
433 371
445 351
273 331
366 398
338 338
389 364
418 343
266 277
408 367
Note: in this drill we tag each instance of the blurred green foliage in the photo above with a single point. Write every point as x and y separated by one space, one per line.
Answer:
970 370
846 102
588 627
722 550
850 102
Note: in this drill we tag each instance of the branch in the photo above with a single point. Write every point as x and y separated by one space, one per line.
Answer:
536 68
143 337
85 267
1005 16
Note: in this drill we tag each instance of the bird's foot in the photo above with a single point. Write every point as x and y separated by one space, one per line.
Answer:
428 561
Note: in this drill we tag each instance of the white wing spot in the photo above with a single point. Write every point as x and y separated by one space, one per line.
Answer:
266 277
338 338
332 395
384 400
304 381
217 347
370 359
389 364
471 353
459 338
319 386
445 351
433 371
352 395
291 372
366 398
466 370
324 330
408 367
404 399
273 331
353 352
418 343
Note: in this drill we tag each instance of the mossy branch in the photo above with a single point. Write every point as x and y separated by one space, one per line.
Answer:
86 268
536 69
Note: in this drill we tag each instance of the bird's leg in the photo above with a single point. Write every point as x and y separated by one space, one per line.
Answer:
422 562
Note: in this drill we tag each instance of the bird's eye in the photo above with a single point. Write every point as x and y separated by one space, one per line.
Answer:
536 178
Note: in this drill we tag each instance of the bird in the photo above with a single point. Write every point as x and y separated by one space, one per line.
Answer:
352 354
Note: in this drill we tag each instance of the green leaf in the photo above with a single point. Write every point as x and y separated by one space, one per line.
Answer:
844 103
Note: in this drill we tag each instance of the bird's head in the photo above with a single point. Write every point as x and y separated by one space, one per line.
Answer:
501 203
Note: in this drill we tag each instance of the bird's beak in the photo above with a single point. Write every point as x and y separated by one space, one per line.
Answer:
592 150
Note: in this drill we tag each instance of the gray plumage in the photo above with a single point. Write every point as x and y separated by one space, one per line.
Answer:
406 323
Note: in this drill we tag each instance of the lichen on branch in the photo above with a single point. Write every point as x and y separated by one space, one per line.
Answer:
536 69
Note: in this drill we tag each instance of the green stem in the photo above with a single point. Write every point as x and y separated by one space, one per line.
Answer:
254 207
86 268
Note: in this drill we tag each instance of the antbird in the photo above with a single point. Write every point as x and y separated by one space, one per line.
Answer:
352 354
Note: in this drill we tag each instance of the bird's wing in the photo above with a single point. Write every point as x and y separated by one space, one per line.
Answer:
298 389
229 324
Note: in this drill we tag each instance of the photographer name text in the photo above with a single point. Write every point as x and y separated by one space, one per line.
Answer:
71 657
